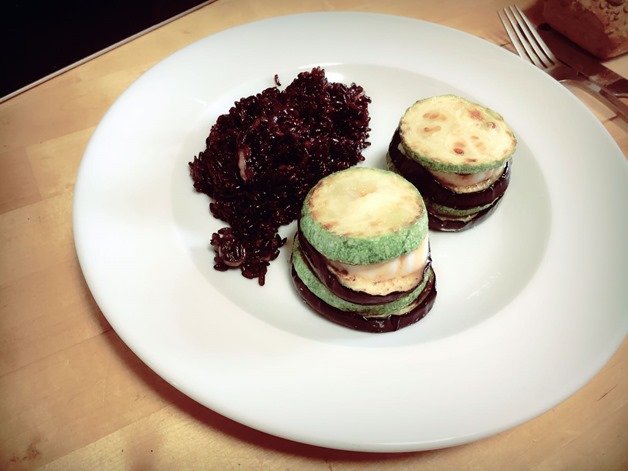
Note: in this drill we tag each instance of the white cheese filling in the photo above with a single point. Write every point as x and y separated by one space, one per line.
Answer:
407 264
464 182
468 182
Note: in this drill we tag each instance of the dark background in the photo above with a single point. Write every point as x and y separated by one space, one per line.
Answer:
38 38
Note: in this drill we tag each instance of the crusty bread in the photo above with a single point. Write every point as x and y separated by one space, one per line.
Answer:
599 26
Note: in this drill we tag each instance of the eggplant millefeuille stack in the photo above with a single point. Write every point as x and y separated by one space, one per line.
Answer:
458 154
361 256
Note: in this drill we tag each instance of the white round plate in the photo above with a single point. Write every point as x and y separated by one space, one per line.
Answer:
531 303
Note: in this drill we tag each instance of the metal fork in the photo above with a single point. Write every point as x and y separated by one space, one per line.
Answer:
532 48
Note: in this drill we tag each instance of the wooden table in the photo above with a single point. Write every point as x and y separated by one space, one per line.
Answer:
72 394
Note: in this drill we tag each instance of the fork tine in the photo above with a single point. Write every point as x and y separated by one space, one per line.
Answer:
519 38
538 44
510 28
524 38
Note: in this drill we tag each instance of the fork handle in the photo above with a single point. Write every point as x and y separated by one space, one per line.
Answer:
607 97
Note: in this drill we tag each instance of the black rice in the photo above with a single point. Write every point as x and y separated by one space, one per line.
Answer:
264 155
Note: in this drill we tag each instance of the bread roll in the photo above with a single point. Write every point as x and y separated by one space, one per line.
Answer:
599 26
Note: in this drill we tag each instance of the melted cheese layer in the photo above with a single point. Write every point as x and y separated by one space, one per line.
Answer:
468 182
464 182
399 274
